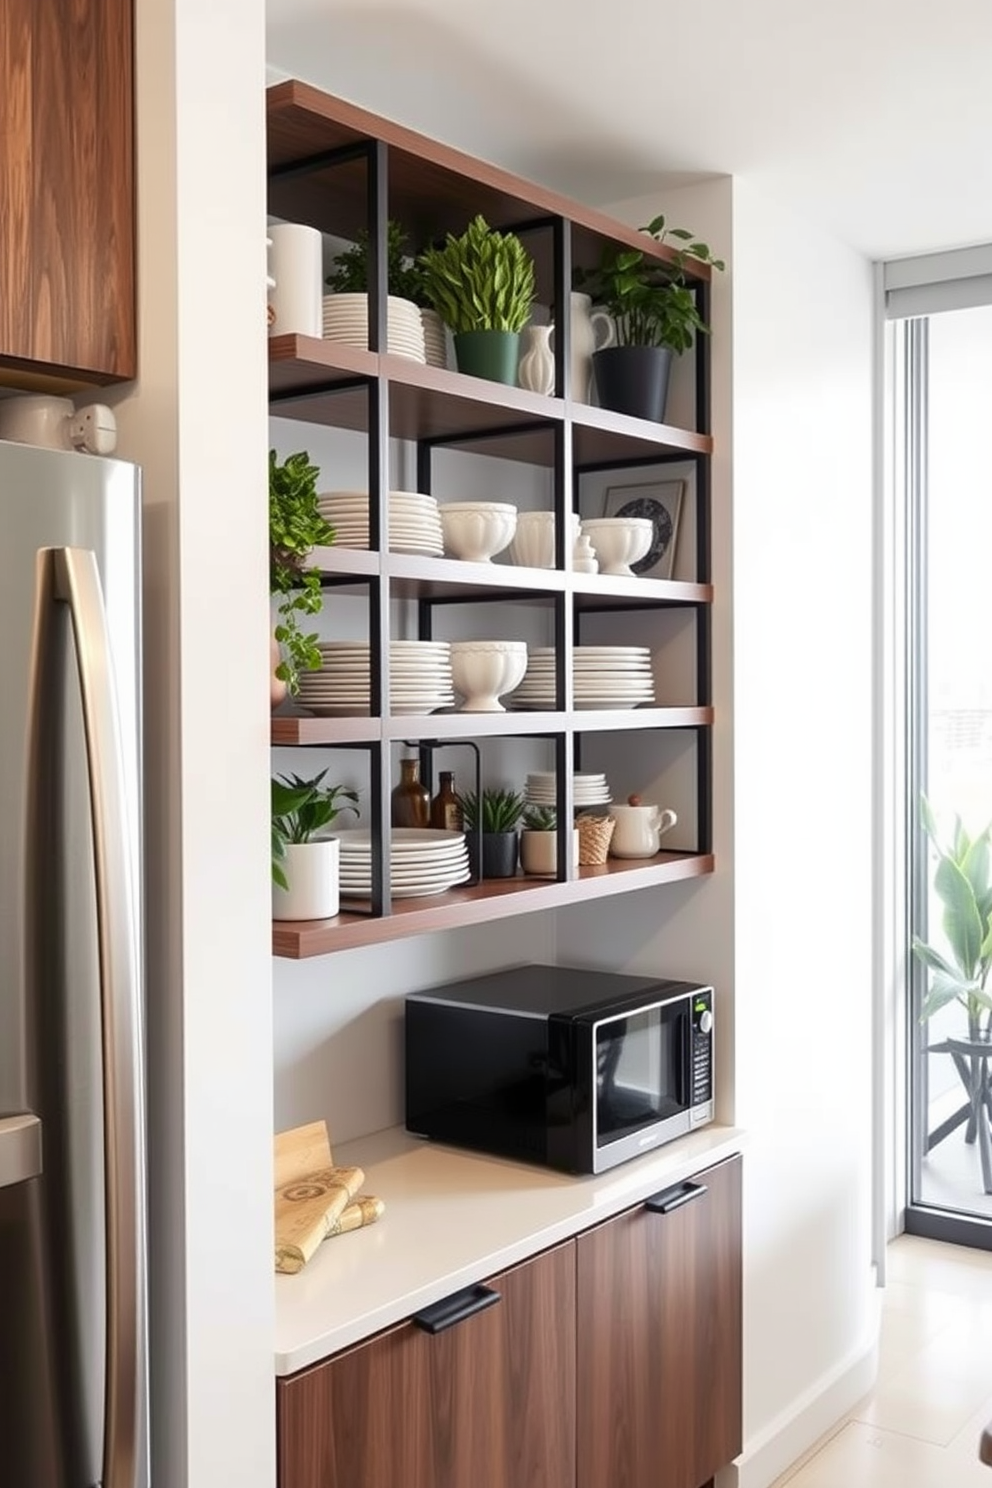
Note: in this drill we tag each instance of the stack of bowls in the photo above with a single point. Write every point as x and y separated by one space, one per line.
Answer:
476 530
414 524
419 678
346 319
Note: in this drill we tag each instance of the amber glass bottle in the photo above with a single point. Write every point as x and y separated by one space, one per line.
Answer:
446 809
410 800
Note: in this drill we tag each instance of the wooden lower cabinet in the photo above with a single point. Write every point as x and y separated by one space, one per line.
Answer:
489 1402
659 1338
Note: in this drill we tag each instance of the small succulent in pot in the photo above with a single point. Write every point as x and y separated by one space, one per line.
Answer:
498 811
295 528
540 819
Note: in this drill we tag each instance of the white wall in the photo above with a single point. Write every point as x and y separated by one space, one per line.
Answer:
196 422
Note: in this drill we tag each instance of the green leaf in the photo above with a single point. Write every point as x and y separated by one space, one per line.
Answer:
932 958
962 924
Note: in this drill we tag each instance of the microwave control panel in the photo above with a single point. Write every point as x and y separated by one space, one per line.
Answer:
702 1056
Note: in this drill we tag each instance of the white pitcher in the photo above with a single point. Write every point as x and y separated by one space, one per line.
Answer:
592 330
639 830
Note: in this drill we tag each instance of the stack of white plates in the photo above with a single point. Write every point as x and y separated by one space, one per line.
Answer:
603 677
587 790
414 522
422 861
419 678
346 318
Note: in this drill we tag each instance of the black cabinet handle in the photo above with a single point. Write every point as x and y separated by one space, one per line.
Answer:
675 1197
456 1308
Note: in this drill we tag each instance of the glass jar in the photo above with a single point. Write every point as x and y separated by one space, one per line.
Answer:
446 809
410 801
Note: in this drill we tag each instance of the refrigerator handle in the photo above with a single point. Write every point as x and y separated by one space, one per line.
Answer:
71 575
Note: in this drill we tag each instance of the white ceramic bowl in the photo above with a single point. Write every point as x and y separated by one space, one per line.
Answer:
475 530
533 544
484 670
619 542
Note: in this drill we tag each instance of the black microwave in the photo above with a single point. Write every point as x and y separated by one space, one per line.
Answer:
571 1067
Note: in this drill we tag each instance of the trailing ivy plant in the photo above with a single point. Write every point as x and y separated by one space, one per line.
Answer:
498 811
295 527
481 281
301 809
350 268
650 301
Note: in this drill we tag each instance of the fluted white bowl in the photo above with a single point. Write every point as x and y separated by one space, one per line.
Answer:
476 530
483 671
533 544
619 542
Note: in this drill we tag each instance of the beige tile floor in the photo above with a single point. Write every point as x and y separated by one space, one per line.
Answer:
919 1427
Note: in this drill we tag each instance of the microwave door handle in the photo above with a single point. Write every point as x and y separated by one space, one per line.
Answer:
70 575
673 1198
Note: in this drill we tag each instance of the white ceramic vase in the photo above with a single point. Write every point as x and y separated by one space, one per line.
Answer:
592 330
312 872
539 852
537 365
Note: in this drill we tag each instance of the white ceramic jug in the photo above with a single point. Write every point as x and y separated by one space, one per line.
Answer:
592 330
639 830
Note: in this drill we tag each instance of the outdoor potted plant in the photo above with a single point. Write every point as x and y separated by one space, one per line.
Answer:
656 318
305 864
496 815
958 970
404 281
296 527
482 286
539 842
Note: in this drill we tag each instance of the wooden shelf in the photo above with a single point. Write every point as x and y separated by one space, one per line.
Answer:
492 899
326 382
290 730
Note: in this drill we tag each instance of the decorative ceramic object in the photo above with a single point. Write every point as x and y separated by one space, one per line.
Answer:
296 267
475 530
490 354
584 558
537 364
533 544
313 875
539 852
639 829
592 330
619 542
484 670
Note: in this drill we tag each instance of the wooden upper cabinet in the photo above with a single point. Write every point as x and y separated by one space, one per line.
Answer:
659 1338
488 1402
67 240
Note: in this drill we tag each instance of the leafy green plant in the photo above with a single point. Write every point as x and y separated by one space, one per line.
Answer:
295 526
300 810
350 268
481 281
963 881
498 810
540 819
650 301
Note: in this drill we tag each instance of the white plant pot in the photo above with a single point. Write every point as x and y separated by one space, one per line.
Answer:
312 872
539 852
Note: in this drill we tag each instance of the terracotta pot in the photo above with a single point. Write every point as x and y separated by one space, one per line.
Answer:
277 688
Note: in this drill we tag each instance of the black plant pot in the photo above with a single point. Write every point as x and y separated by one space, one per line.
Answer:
634 380
499 854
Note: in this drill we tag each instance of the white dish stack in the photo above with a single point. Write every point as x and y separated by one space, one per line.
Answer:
587 789
346 319
419 679
414 521
422 861
602 677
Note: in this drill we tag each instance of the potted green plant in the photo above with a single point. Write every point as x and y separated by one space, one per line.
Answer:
305 863
296 527
495 817
539 842
655 315
958 970
482 286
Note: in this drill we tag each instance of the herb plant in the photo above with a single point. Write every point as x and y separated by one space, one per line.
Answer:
540 819
350 270
481 281
963 881
295 526
301 809
650 301
498 811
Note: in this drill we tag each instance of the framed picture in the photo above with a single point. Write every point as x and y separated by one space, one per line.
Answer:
661 502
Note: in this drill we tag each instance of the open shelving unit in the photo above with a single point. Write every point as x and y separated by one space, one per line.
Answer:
341 169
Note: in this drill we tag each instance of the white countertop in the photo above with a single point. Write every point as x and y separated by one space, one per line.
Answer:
453 1218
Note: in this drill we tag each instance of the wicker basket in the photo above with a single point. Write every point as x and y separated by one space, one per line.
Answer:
594 839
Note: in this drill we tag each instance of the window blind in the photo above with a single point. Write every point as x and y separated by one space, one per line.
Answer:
933 282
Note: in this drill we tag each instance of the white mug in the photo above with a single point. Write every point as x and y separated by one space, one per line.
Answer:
296 264
639 830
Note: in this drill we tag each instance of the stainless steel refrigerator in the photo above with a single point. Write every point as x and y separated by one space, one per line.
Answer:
73 1396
